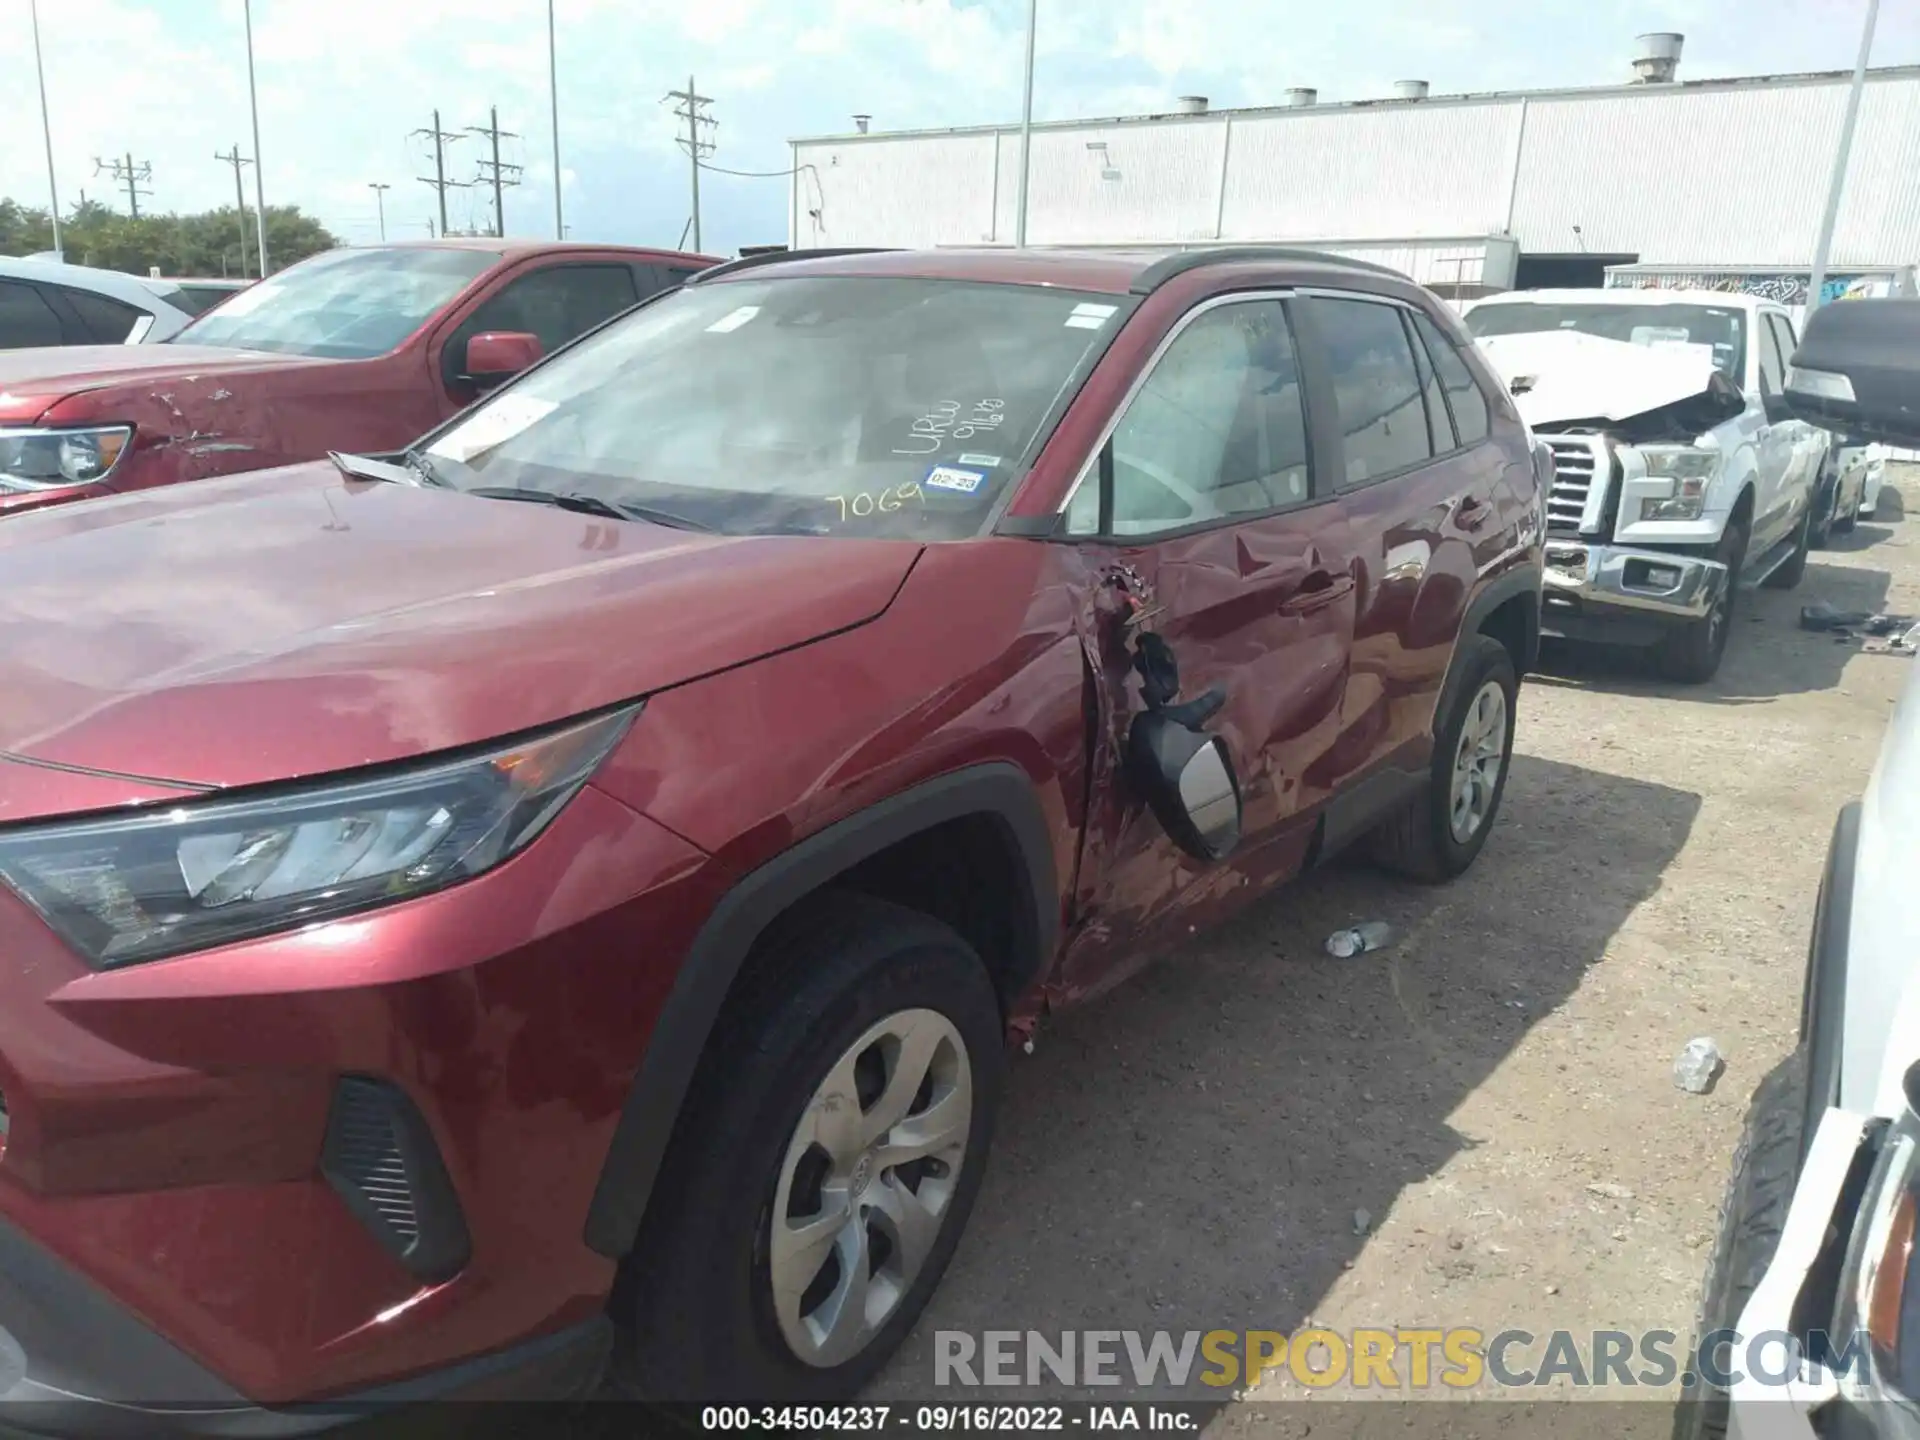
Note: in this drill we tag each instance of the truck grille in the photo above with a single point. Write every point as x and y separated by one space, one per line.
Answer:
1577 459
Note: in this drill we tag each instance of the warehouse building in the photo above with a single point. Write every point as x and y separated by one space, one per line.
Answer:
1661 181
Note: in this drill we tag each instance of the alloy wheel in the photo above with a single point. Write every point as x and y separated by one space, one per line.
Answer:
866 1183
1477 762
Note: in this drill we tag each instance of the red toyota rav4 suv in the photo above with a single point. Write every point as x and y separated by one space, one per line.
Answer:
443 937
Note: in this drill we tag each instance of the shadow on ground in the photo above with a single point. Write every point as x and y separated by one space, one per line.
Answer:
1189 1152
1768 654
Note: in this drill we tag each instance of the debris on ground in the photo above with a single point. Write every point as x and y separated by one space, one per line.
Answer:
1698 1066
1358 939
1607 1190
1822 616
1362 1222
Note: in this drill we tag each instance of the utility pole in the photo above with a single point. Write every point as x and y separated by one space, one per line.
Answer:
692 109
553 97
46 130
1026 131
1823 246
500 175
439 182
380 199
125 172
259 171
236 159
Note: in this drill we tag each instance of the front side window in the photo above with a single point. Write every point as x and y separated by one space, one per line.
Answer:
1719 331
1773 367
554 304
856 405
1784 337
1217 430
344 304
1375 386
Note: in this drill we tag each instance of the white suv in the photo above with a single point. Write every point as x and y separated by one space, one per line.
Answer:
1680 475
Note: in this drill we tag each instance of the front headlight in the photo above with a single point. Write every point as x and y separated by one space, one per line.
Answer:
1880 1282
33 459
1690 469
143 886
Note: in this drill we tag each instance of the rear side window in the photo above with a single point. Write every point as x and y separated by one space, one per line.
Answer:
1464 399
1376 388
109 321
1773 369
25 318
1439 421
1784 336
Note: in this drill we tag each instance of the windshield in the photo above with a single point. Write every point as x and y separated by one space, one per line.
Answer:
1721 330
844 405
343 305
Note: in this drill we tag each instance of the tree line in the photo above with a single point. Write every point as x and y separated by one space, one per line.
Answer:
206 244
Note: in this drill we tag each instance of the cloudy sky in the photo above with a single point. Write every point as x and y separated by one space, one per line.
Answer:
343 82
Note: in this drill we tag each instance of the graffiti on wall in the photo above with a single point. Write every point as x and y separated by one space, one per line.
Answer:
1782 289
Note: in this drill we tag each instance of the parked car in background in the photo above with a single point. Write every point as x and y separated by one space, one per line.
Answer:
586 871
1862 469
355 349
43 302
201 295
1678 476
1817 1229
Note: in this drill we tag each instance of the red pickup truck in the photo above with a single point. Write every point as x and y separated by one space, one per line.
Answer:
358 349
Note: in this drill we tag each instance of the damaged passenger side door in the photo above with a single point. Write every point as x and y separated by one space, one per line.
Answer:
1226 595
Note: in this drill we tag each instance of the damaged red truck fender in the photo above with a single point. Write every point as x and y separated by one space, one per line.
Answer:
357 349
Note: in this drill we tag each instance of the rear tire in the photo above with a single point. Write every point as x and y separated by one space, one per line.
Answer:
1692 653
1441 831
785 1085
1753 1213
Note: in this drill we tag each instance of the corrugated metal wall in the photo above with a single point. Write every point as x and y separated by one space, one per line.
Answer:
1710 175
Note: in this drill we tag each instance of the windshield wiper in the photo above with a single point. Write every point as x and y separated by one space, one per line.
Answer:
592 505
418 462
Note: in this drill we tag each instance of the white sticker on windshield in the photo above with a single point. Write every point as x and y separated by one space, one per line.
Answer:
494 425
986 462
1097 312
733 320
951 477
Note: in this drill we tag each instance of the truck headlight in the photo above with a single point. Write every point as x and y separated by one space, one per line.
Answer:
146 885
1880 1280
1690 469
34 459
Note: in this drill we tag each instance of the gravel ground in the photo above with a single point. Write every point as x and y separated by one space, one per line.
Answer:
1495 1090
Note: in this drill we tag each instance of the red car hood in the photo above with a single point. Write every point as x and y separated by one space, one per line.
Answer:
290 622
31 380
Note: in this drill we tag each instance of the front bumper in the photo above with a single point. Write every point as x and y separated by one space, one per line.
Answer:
1613 592
75 1363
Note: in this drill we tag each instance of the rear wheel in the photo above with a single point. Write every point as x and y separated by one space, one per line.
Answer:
824 1167
1438 835
1692 653
1753 1213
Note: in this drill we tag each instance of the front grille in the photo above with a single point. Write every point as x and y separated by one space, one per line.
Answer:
1576 460
380 1158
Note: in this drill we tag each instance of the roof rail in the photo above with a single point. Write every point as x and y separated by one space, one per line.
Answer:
1181 261
754 262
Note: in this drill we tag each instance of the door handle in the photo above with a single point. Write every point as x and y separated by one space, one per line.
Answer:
1471 513
1319 590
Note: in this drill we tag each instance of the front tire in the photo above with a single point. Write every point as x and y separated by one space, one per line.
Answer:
1442 830
1753 1213
824 1166
1692 653
1790 574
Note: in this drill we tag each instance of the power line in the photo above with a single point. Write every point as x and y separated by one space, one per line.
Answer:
501 176
439 182
237 160
692 109
128 174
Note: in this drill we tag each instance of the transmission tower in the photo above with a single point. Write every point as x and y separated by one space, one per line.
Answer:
501 176
439 182
125 172
693 109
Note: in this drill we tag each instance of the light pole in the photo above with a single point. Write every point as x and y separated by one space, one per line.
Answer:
553 97
259 184
380 199
1026 132
1824 245
46 128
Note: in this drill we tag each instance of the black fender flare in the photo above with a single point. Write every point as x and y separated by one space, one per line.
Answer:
999 790
1521 580
1823 1001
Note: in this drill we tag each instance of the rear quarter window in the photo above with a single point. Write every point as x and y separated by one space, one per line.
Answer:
110 321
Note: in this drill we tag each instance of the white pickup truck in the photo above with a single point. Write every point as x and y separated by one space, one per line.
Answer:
1680 477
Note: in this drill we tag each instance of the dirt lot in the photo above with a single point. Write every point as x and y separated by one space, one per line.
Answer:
1495 1090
